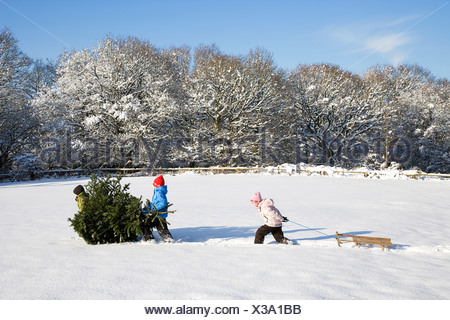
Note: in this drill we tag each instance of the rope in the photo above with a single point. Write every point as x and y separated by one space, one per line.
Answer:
309 228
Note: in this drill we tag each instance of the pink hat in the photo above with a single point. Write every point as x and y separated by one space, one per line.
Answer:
256 197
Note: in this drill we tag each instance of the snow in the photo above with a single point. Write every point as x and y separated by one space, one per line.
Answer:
215 258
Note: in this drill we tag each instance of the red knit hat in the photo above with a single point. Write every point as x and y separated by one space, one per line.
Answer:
158 182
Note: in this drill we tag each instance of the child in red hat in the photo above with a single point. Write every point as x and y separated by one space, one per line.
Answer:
273 218
159 203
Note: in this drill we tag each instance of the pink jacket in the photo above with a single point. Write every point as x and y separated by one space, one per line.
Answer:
270 214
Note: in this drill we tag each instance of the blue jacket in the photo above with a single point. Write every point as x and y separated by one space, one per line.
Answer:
159 200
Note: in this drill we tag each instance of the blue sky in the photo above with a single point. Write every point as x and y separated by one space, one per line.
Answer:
355 35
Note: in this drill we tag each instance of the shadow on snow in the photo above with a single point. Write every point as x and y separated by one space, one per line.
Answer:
202 234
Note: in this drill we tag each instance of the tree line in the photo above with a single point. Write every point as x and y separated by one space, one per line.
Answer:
127 103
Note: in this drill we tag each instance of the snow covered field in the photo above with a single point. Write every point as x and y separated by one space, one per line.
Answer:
43 258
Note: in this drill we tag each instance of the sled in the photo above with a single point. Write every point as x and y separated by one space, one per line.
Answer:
383 242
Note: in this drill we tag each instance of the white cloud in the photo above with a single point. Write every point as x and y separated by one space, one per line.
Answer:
388 39
387 43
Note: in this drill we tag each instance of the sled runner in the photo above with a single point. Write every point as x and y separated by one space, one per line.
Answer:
383 242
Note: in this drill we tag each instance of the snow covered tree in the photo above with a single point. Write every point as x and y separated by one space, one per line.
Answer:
435 146
328 111
41 75
426 125
110 214
230 100
112 97
388 89
17 119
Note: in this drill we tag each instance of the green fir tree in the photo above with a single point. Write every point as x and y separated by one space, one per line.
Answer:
152 215
110 214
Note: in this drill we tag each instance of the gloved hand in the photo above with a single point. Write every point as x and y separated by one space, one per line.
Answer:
285 219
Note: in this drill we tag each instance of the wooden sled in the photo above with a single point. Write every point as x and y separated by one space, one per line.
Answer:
383 242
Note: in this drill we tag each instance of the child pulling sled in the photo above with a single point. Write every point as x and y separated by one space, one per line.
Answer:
273 218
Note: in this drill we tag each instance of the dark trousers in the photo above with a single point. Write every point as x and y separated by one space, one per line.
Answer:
161 227
265 230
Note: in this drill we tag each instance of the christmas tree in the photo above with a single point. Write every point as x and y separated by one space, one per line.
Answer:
110 214
150 216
